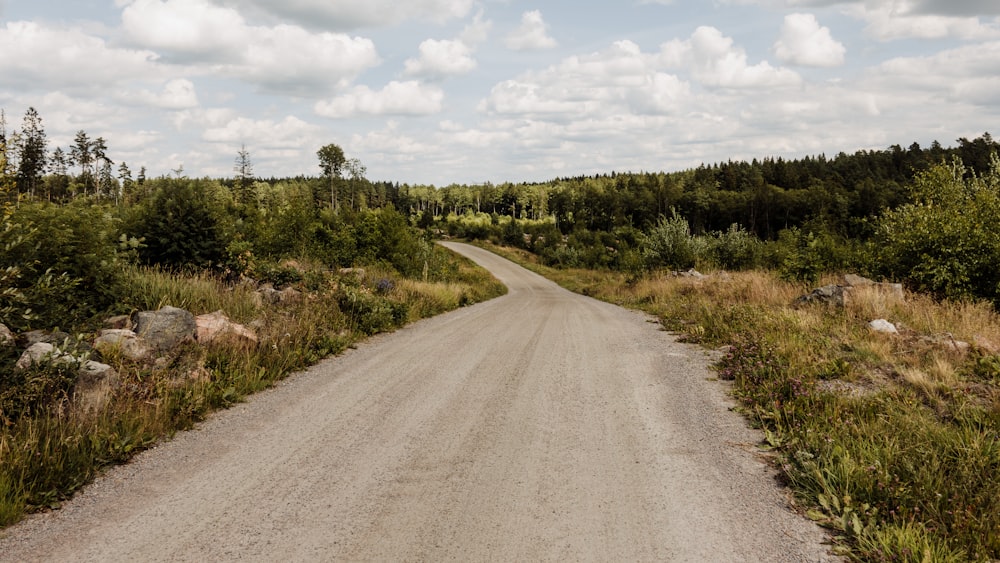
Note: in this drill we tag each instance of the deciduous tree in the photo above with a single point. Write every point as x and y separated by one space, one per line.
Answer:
331 162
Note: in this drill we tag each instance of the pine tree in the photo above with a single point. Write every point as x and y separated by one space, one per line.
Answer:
244 175
32 153
6 175
82 156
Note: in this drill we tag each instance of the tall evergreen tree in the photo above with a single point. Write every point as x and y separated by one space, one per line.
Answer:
6 175
32 153
244 175
83 157
58 182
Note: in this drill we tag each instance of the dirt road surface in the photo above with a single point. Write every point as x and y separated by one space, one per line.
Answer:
540 426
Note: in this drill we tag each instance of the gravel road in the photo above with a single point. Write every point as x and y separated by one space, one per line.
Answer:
540 426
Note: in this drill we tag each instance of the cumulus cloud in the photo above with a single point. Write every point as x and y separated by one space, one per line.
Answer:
177 94
396 98
290 132
34 56
531 35
389 145
906 19
441 58
286 58
186 29
803 42
620 79
289 58
448 57
962 75
714 60
349 15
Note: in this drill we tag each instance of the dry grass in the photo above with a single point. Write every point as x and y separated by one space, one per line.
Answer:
892 440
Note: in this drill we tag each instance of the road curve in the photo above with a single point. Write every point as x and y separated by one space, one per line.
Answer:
539 426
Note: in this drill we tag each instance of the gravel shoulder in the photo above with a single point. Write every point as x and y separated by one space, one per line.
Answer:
539 426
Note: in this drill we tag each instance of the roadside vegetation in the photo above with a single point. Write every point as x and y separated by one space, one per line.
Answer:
310 266
891 440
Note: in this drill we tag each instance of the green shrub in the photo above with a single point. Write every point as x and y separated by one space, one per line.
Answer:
735 249
183 225
60 264
669 244
947 242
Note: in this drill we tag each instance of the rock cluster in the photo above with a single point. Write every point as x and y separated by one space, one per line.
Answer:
839 294
144 338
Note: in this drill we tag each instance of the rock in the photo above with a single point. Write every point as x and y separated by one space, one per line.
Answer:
119 322
125 342
852 280
33 337
692 273
216 327
947 342
883 326
286 296
40 353
165 329
986 345
893 291
6 337
290 296
94 386
356 272
827 294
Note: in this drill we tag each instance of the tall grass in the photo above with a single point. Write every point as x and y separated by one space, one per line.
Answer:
48 455
892 441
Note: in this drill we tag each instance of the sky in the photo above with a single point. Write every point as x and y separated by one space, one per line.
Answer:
469 91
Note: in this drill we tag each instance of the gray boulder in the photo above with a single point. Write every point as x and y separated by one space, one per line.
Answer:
33 337
832 294
124 342
42 353
165 329
94 386
6 337
853 280
287 296
119 322
883 326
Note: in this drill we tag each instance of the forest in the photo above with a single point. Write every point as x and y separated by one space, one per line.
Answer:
922 216
83 238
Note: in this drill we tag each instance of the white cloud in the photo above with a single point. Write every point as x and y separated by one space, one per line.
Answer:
621 79
284 58
349 14
441 58
531 35
449 57
803 42
36 57
176 94
964 75
397 98
187 29
901 20
477 31
289 58
713 60
290 132
389 145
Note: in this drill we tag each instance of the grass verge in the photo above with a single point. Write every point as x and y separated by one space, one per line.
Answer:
891 441
49 448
